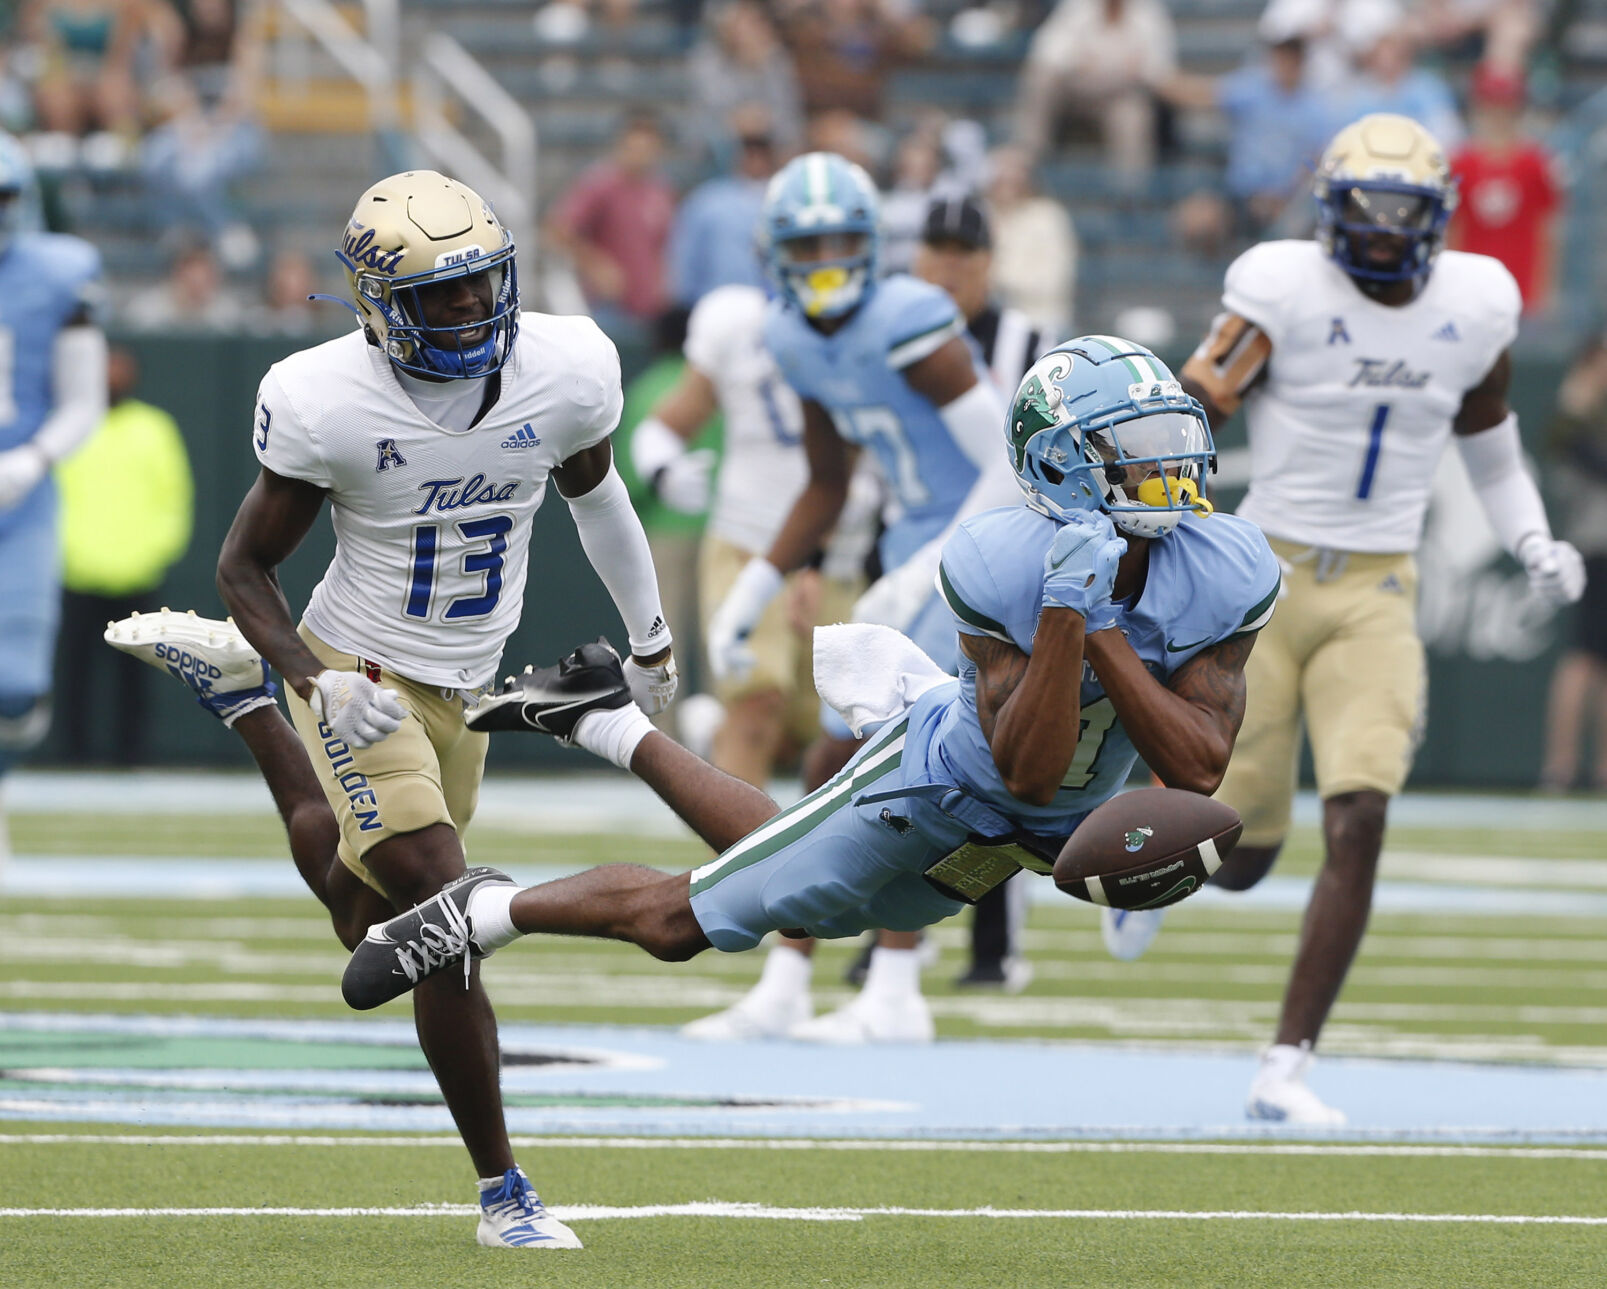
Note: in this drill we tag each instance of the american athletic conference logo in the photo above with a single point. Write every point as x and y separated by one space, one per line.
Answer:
523 437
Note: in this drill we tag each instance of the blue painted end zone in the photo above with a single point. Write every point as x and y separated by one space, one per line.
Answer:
953 1089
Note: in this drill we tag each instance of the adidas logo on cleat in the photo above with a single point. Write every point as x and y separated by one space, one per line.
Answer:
523 437
196 672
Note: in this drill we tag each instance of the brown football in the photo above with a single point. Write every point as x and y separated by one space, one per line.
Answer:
1147 848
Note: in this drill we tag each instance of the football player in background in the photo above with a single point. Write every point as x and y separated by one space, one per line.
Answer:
1357 357
884 365
52 396
761 472
433 431
1108 618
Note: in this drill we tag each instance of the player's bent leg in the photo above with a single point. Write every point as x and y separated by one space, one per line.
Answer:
1336 916
749 738
1245 866
230 680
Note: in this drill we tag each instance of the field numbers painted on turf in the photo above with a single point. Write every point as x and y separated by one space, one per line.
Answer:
1097 718
485 562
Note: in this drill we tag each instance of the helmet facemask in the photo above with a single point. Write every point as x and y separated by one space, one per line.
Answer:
1380 230
824 274
420 335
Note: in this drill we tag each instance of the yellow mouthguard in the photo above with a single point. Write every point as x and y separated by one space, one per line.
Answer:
1152 492
822 284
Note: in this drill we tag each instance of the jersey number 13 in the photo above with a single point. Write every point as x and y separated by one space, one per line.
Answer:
487 561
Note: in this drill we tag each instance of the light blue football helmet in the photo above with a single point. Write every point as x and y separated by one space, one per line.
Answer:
1100 423
18 192
821 195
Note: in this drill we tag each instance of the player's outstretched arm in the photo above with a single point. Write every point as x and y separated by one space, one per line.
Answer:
274 517
612 536
1030 708
1184 729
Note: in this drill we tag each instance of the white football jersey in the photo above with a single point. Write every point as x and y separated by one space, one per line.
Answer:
763 468
432 526
1355 407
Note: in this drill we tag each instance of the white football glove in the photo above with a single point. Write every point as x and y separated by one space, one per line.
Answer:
21 469
730 655
355 708
686 483
895 598
1555 569
653 687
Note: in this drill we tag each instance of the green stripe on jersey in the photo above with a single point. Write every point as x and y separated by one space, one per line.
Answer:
782 830
964 612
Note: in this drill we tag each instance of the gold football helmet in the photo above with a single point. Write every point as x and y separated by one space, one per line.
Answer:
410 233
1384 195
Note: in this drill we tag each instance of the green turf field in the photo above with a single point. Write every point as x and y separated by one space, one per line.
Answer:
1480 987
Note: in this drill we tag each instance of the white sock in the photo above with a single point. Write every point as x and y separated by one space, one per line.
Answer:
613 735
786 973
1283 1060
893 973
490 912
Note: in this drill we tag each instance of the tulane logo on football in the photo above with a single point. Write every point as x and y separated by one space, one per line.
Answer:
361 251
1136 838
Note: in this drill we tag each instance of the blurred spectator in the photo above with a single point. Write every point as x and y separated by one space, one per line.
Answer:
127 504
1511 193
1096 59
741 60
840 131
1034 246
193 298
287 306
1279 123
207 137
1388 79
845 49
1578 699
916 164
1500 32
86 53
712 242
614 224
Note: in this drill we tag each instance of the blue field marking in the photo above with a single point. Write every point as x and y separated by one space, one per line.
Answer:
651 1082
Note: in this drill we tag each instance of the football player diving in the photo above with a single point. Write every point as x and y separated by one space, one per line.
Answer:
1357 358
432 431
1106 619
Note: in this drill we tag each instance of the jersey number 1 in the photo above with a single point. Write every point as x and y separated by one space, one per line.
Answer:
1375 443
493 530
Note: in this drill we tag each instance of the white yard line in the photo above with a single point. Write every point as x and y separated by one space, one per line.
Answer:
715 1208
897 1145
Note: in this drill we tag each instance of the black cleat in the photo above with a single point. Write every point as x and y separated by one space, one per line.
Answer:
395 956
551 700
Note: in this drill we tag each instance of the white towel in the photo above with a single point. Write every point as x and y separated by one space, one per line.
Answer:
870 674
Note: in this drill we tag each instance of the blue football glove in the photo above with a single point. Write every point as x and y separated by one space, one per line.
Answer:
1079 569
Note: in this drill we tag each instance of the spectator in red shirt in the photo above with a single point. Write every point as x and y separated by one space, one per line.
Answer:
1511 196
614 224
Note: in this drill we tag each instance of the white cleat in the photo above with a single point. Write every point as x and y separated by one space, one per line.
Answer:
227 676
901 1018
512 1216
1129 932
755 1015
1279 1094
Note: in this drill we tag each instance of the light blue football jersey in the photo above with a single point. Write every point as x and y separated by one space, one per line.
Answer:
1212 578
857 375
45 278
